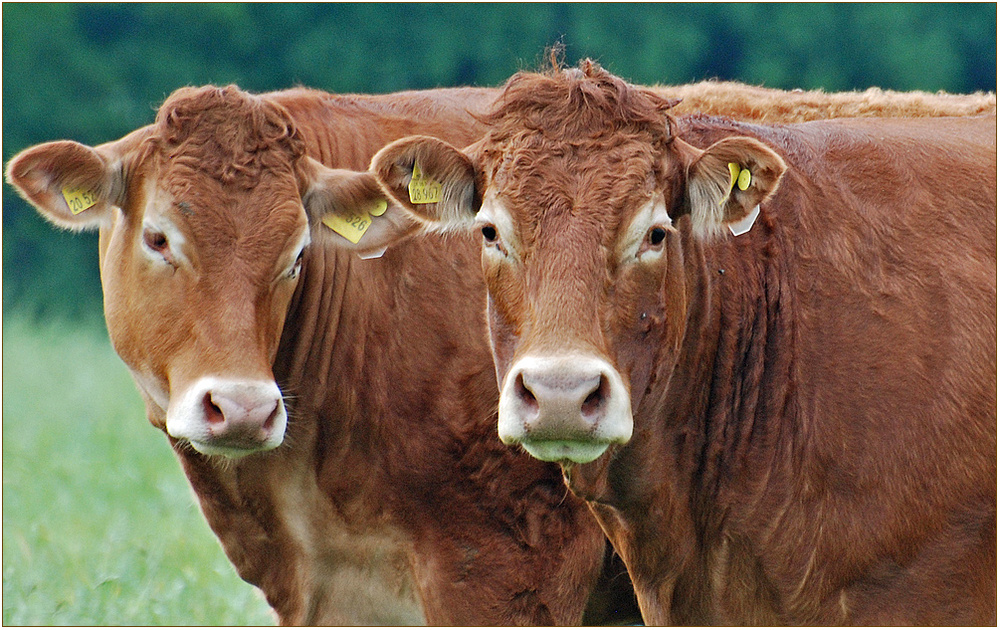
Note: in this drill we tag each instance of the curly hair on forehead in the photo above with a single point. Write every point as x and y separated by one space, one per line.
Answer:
586 101
227 133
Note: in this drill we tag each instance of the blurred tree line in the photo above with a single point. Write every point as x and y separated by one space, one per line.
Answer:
94 72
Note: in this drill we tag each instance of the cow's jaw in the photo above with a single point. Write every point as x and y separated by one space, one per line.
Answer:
226 417
568 408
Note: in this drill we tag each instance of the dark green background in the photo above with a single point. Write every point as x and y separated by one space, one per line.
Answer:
94 72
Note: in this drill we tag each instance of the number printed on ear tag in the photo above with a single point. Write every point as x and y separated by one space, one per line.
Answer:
79 199
354 226
423 190
351 227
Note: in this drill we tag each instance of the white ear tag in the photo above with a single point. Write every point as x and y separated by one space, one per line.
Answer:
743 226
372 254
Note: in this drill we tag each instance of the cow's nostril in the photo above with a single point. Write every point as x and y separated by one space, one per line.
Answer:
526 395
274 415
594 401
213 414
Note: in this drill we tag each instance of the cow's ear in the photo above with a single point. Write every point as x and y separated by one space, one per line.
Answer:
728 181
71 184
352 210
431 179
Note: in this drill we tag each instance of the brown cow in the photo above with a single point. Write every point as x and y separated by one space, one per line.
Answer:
790 424
389 499
359 516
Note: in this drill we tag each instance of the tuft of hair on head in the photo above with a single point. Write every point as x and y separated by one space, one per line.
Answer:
582 102
228 133
557 56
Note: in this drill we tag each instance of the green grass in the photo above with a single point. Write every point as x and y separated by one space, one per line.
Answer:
100 526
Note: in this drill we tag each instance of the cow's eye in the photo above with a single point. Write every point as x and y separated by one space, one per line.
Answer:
491 238
296 269
652 245
656 236
156 242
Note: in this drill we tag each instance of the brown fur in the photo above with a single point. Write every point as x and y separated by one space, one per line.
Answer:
391 500
220 133
759 104
814 402
390 473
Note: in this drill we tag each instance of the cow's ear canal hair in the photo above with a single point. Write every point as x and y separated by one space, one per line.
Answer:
727 183
431 179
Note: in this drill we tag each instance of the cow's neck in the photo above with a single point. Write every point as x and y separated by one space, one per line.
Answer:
715 453
282 535
335 340
747 375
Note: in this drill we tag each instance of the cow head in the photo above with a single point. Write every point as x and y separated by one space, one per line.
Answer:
576 190
204 220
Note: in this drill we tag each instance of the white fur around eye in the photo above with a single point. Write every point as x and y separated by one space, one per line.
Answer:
636 242
493 220
162 242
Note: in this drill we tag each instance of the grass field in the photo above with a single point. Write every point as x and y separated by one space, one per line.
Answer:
99 524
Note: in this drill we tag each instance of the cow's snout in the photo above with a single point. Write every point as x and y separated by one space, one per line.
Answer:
229 417
239 409
564 408
561 401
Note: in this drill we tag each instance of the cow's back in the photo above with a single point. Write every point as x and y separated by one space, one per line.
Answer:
345 130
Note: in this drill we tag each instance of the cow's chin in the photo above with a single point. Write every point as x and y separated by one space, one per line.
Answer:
565 451
229 451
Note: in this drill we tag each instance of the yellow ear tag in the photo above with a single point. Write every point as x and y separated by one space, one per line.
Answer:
353 226
744 180
734 173
79 199
423 190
